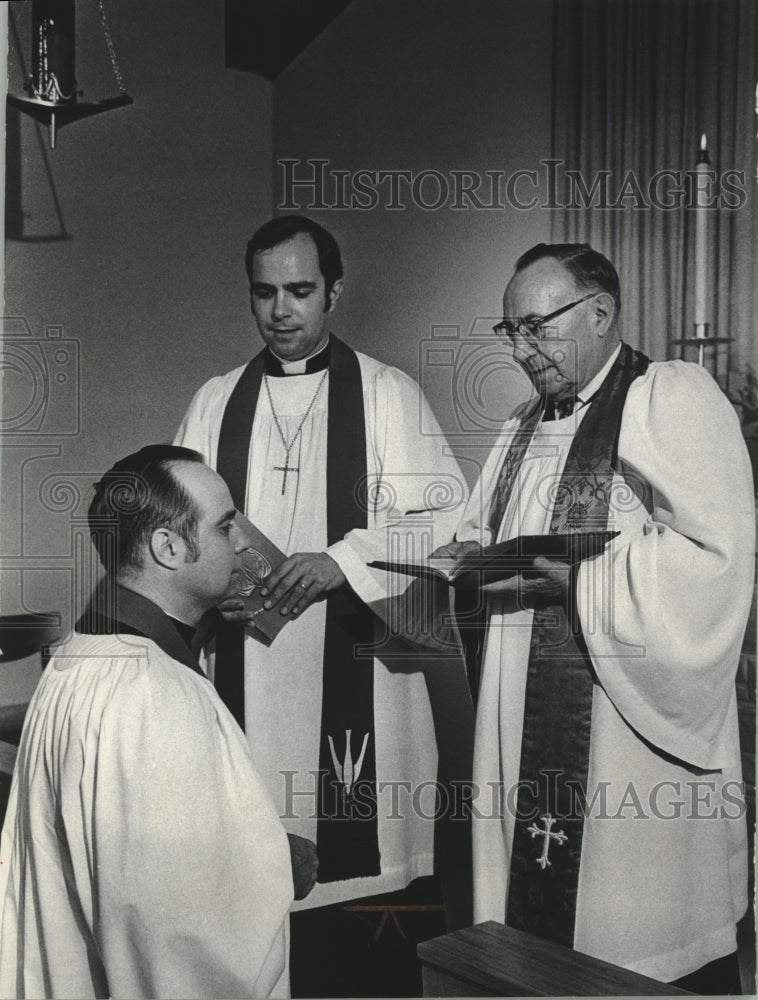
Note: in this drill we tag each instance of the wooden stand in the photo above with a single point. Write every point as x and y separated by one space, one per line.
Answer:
492 960
8 753
21 635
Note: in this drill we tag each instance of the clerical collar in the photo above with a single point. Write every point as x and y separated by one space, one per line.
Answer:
552 410
187 632
277 368
123 611
592 386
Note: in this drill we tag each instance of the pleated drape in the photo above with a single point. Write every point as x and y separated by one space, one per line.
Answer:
636 82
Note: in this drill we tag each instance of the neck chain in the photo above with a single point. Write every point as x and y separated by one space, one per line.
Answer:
287 468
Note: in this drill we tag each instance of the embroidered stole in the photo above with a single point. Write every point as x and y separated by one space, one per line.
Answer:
347 827
555 749
115 610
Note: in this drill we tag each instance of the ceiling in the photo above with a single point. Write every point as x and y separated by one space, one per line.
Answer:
264 36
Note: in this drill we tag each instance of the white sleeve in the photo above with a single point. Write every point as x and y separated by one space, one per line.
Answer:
191 866
201 425
680 582
418 492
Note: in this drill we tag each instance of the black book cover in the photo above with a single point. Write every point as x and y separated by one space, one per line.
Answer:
498 562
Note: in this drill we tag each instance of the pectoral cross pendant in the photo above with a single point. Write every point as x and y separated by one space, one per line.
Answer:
285 470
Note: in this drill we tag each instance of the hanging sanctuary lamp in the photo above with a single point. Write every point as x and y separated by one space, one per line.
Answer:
53 98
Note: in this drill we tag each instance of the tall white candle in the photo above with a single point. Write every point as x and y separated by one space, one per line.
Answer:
701 237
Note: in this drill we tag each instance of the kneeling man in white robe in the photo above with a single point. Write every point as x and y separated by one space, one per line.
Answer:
141 854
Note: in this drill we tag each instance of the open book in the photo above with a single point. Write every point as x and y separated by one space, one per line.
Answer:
498 562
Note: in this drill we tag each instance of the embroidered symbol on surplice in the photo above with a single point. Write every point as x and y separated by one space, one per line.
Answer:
548 834
347 772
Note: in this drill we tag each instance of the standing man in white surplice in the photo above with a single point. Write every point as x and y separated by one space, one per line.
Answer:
329 453
607 708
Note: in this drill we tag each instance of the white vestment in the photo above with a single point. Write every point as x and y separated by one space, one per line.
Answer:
663 612
141 854
416 492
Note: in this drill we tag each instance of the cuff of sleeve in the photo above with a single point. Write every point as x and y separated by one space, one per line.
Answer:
363 581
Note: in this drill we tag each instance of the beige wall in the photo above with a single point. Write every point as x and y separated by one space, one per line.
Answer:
429 85
159 199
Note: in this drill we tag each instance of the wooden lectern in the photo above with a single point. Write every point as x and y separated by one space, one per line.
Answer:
492 960
21 635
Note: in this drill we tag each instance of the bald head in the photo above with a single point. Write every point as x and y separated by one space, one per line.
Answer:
164 524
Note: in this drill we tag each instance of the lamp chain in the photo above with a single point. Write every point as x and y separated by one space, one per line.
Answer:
111 49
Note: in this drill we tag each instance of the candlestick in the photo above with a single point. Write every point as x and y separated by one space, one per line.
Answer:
701 234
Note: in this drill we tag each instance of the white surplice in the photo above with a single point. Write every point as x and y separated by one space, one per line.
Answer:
416 495
663 612
141 854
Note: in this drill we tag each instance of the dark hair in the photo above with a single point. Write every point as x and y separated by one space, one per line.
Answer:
134 498
285 227
589 268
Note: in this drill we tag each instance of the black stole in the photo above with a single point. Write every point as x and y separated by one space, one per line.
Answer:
555 748
347 830
115 610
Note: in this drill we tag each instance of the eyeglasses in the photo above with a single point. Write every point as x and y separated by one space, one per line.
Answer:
511 326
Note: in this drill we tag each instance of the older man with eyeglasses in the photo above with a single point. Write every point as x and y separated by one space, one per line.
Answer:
607 718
